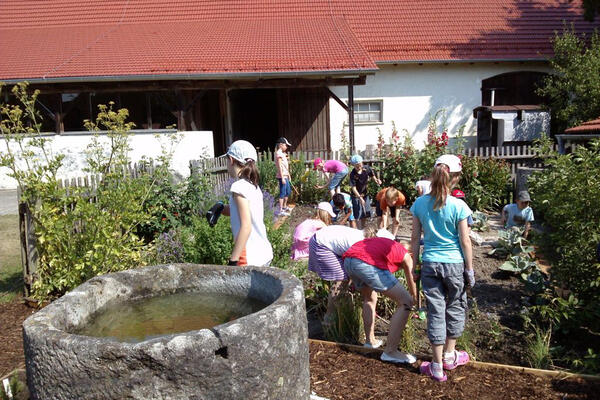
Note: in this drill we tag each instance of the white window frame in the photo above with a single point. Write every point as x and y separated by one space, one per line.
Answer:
370 101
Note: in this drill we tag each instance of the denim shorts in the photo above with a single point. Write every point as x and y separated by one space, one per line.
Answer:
361 212
337 179
284 190
364 274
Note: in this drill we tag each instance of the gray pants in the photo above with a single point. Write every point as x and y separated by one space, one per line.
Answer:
444 288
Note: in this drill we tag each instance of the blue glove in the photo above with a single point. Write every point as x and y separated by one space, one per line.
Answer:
470 277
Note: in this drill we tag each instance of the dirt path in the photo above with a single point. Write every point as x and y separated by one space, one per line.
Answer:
12 316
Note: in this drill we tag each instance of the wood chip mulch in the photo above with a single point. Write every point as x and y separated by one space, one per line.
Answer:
341 374
12 316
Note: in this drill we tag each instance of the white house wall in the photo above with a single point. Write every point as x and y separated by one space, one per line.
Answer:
192 145
412 92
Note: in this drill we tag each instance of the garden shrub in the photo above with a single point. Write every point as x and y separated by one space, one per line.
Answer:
567 196
79 234
203 244
485 182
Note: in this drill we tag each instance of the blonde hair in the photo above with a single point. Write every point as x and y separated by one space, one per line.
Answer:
391 195
441 184
323 216
369 232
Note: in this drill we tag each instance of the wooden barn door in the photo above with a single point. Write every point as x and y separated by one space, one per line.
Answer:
304 118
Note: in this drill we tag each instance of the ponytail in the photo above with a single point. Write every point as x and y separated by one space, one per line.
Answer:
249 171
441 184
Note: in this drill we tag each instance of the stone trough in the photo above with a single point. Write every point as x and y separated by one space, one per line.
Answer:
263 355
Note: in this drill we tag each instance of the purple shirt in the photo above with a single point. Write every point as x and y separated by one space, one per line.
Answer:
334 166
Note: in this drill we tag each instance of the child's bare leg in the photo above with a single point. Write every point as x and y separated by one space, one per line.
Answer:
368 312
450 345
398 322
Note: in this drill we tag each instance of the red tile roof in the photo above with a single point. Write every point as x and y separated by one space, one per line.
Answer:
70 38
592 126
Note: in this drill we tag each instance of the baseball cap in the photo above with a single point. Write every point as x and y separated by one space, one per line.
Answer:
356 159
317 162
523 196
283 140
325 206
458 193
453 162
242 150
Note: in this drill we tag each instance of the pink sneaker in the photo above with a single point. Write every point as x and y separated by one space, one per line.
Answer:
425 369
460 358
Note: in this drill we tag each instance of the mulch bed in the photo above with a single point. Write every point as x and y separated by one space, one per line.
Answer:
336 373
12 316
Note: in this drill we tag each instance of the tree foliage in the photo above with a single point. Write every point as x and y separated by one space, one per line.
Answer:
573 91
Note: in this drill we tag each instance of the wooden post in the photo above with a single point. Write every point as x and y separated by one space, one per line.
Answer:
351 116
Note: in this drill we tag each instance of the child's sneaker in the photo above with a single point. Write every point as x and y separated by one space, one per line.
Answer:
425 369
460 358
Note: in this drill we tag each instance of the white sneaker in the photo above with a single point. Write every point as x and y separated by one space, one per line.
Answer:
282 213
405 358
375 345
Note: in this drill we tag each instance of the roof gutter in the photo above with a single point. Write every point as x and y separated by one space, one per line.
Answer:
475 60
348 73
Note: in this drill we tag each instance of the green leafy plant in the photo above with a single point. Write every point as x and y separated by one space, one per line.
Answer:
519 265
15 386
480 222
573 90
203 244
511 243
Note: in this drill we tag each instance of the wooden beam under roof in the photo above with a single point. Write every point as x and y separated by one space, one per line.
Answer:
142 86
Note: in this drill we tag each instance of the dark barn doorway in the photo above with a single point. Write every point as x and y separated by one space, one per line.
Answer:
254 116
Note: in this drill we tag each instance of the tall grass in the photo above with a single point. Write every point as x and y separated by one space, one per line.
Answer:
538 347
11 275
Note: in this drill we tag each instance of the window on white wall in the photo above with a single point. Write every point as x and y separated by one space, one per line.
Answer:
368 112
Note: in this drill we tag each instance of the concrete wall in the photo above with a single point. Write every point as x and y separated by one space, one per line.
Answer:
411 93
193 145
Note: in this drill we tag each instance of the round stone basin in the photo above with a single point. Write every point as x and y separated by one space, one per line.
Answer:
262 355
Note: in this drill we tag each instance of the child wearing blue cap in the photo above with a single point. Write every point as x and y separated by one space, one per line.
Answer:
359 179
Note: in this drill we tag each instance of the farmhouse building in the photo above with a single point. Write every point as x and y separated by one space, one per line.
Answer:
260 69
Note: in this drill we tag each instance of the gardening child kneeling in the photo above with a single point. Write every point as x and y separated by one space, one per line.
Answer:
447 264
371 264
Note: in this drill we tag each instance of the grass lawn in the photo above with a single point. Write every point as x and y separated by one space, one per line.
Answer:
11 272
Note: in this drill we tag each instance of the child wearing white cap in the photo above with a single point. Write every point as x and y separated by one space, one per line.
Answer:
305 230
251 245
447 264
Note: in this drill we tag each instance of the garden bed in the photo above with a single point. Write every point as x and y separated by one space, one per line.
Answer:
494 328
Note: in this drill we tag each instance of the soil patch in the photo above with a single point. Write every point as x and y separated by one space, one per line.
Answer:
12 316
341 374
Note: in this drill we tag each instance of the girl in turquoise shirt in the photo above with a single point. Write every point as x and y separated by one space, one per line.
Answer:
447 265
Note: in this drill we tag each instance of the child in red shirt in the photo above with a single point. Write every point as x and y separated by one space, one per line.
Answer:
371 264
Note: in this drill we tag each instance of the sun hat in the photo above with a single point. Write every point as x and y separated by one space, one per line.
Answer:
356 159
317 162
283 140
523 196
452 161
242 150
325 206
458 193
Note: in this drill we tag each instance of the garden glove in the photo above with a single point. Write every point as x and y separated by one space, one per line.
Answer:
470 276
213 214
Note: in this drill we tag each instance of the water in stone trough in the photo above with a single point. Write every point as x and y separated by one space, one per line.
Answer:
147 318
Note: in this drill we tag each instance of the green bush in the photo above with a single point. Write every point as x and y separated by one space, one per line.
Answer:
485 182
567 196
203 244
79 234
